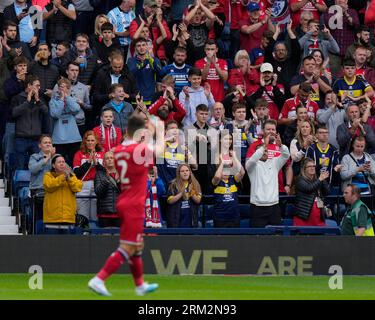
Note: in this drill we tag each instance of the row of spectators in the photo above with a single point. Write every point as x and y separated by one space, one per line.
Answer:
258 89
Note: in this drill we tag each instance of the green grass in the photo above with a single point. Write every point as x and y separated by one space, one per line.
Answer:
73 286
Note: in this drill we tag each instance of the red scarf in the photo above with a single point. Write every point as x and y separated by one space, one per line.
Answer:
152 214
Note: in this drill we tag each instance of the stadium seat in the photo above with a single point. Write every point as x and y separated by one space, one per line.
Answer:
20 179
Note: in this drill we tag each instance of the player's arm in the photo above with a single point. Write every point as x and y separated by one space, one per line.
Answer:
159 144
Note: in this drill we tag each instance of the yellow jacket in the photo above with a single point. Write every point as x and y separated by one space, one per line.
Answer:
59 201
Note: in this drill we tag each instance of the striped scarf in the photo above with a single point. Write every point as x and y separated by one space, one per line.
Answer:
112 138
152 214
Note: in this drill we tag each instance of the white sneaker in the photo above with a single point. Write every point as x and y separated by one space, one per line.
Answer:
97 285
149 224
146 288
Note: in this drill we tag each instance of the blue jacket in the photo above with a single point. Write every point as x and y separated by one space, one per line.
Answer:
65 129
38 168
120 119
146 73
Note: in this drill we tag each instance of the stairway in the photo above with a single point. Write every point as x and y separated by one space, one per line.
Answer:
8 225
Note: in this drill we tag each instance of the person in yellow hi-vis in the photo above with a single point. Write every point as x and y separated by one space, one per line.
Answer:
357 219
60 185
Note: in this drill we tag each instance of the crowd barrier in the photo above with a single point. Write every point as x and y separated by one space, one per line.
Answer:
205 226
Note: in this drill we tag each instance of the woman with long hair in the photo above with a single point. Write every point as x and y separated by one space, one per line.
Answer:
310 191
322 64
184 196
358 167
60 185
85 162
97 36
305 136
106 185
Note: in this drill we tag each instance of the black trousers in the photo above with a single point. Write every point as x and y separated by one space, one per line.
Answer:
261 216
226 224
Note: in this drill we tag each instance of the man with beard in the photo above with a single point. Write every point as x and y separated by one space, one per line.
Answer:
47 73
178 69
363 40
269 89
10 42
284 65
168 107
288 113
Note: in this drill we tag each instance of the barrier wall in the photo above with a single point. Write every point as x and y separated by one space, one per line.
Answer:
262 255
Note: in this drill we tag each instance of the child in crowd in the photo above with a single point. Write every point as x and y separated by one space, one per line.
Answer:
227 176
260 115
109 136
184 196
122 110
195 95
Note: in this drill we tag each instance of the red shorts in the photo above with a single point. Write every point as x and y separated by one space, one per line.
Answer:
131 228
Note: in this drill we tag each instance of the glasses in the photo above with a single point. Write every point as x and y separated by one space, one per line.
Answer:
307 167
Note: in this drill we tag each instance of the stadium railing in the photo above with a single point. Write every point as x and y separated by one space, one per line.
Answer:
205 229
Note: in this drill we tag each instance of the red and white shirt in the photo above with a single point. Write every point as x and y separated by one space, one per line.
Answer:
81 158
290 106
108 140
217 84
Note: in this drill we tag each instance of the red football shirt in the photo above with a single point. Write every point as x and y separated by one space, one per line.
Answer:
217 84
132 162
250 41
80 158
296 16
290 106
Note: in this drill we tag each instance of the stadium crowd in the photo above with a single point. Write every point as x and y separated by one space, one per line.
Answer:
258 98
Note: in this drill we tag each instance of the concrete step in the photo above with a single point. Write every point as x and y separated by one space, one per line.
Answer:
5 211
2 183
7 228
2 192
7 220
4 202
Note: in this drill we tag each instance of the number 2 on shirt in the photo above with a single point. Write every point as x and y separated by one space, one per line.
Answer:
124 168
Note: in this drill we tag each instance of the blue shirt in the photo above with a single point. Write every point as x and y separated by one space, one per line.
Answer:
226 200
180 75
121 21
25 27
172 157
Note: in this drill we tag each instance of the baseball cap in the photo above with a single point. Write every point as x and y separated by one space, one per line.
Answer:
266 67
149 3
253 6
